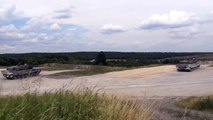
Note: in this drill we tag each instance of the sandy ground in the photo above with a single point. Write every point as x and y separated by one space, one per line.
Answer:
150 82
162 85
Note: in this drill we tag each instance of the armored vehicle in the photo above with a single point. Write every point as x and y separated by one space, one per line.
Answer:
187 65
20 71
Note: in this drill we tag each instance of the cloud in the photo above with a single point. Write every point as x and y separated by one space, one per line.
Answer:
33 40
111 28
10 32
190 32
7 47
6 14
86 25
55 26
13 35
63 13
174 19
72 29
10 13
36 23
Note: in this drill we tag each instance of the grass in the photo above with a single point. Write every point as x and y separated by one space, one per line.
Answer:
85 70
88 70
58 66
197 103
67 105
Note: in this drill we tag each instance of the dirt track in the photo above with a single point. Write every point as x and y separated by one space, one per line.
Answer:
142 72
152 82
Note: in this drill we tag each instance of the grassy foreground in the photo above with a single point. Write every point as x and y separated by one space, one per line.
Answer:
197 103
67 105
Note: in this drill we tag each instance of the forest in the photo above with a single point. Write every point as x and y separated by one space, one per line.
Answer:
127 59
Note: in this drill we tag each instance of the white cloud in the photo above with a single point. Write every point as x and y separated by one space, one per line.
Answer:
11 32
8 13
93 14
55 26
174 19
111 28
33 40
190 32
63 13
7 47
35 23
8 28
72 29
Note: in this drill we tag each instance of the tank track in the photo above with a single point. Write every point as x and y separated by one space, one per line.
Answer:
13 77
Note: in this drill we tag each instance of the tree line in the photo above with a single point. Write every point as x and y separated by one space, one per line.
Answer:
117 58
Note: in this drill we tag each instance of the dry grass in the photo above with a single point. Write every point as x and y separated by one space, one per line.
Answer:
88 70
197 103
58 66
67 105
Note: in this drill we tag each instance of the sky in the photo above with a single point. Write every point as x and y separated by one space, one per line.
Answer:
106 25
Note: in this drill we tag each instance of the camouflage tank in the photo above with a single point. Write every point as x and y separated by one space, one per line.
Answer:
20 71
187 65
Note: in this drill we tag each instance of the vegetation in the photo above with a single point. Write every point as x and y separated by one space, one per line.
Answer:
100 59
127 59
58 66
197 103
66 105
88 70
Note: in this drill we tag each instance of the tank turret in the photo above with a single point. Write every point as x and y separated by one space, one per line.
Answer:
20 71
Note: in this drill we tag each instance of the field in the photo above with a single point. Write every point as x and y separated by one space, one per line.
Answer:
157 83
80 70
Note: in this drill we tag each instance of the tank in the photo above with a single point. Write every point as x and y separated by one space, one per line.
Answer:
187 65
20 71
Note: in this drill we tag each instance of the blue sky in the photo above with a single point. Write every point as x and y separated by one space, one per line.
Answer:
106 25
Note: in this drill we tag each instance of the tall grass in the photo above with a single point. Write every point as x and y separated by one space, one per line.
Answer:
198 103
67 105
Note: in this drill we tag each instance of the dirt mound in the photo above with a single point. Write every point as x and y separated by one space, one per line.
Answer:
143 72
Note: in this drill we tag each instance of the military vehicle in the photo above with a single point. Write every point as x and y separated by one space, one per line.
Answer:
20 71
187 65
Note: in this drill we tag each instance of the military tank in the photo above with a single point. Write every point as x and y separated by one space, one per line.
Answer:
187 65
20 71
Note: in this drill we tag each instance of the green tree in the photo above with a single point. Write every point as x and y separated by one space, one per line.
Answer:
100 59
